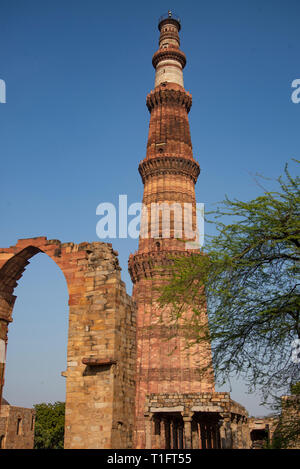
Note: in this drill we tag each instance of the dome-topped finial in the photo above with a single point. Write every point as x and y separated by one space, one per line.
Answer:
169 17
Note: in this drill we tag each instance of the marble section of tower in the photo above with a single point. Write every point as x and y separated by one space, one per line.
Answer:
169 174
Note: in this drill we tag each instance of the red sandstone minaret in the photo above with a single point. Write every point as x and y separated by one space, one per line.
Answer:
169 173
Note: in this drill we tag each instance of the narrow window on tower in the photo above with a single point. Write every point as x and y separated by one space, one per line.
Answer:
19 426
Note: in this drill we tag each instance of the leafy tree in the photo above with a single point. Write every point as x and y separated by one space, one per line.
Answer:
49 426
247 276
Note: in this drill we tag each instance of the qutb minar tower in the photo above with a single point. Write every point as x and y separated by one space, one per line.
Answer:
169 174
176 405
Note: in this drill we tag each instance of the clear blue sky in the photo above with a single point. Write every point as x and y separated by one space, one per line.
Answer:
75 126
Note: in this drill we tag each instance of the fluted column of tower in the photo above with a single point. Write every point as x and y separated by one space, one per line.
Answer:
169 173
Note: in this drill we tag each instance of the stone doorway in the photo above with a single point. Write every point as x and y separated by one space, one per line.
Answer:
168 431
206 430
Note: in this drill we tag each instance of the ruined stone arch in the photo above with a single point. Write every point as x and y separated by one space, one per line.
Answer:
13 263
101 338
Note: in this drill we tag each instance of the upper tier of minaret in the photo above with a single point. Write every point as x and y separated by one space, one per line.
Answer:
169 60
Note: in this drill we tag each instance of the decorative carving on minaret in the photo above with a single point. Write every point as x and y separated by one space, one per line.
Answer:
169 165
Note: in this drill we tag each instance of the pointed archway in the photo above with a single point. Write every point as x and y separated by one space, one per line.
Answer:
37 337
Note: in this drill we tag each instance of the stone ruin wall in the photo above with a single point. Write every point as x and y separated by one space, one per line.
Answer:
101 353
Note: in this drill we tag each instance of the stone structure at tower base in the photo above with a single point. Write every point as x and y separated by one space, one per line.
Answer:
130 381
195 421
16 427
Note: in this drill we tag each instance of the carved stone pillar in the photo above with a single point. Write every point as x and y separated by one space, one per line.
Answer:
222 434
171 434
225 431
240 444
148 425
234 429
163 424
246 440
228 432
187 421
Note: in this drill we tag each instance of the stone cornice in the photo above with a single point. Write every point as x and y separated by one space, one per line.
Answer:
169 165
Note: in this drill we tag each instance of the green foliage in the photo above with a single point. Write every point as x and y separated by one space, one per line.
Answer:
295 389
49 426
277 441
248 278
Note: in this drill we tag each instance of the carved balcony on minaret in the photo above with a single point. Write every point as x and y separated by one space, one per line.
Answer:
169 165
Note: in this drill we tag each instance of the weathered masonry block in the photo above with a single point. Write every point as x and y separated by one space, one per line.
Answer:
16 427
101 353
